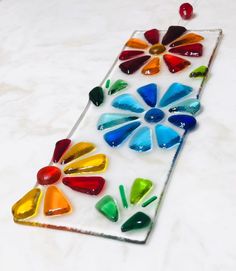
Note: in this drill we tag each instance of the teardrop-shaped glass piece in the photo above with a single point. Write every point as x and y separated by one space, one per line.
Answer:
93 164
166 136
48 175
141 141
157 49
108 207
108 120
60 147
193 50
152 67
149 94
96 96
116 137
191 106
175 63
199 72
139 189
127 102
117 86
28 205
185 122
175 92
138 221
55 202
152 36
136 43
77 151
154 115
91 185
186 39
173 33
128 54
133 65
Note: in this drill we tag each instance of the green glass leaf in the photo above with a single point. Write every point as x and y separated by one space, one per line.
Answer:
96 95
139 189
199 72
135 222
117 86
108 207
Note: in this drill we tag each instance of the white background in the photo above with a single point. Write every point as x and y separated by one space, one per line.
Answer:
51 54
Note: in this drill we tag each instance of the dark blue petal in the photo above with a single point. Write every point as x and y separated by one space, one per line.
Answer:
116 137
149 94
185 122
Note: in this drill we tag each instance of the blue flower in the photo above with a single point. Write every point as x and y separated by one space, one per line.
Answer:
141 123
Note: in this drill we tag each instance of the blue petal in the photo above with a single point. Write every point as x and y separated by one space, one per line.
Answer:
116 137
149 94
127 102
108 120
185 122
191 106
166 136
142 140
175 92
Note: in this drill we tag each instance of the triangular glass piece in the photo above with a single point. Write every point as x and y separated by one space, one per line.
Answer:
137 221
175 92
55 203
193 50
152 36
77 151
199 72
136 43
191 106
128 54
108 120
186 39
60 147
91 185
96 96
166 136
139 189
173 33
175 63
149 94
127 102
142 140
117 86
108 207
133 65
152 67
93 164
185 122
28 205
116 137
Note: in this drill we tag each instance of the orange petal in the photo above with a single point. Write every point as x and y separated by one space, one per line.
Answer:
152 67
186 39
55 203
136 43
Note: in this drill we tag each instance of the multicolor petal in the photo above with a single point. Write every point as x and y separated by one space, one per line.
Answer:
166 136
127 102
142 140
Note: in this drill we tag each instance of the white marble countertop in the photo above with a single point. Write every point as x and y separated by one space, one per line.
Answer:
51 54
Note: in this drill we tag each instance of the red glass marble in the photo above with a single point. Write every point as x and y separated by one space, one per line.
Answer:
186 11
48 175
60 147
133 65
194 50
173 33
91 185
127 54
152 36
175 63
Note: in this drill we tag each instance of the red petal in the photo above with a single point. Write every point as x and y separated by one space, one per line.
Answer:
127 54
60 147
152 36
194 50
175 63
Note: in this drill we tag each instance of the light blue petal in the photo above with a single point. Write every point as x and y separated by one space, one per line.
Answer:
166 136
127 102
108 120
175 92
116 137
142 140
149 94
191 106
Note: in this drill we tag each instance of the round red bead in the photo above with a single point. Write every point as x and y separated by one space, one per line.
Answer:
48 175
186 11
